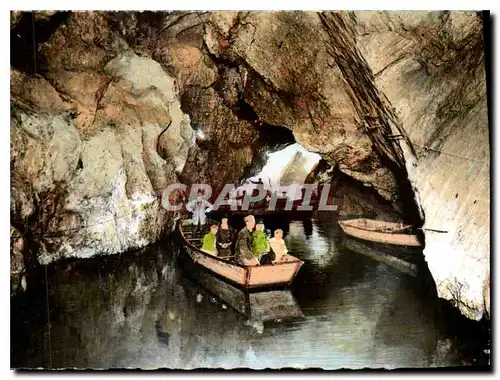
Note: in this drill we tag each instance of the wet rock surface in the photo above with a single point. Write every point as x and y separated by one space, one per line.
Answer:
431 67
391 100
87 160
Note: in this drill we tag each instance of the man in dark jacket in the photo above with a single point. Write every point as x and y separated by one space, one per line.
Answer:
244 243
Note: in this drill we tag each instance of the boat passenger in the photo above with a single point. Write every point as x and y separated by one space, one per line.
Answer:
260 243
199 207
209 241
278 246
224 239
244 243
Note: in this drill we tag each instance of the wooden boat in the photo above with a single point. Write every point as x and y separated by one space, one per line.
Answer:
268 305
249 277
380 232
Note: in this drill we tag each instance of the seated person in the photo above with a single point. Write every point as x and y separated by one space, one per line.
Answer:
209 240
224 239
260 244
244 249
278 246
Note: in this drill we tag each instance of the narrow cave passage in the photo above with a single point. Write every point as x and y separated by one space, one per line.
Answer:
282 168
162 306
285 170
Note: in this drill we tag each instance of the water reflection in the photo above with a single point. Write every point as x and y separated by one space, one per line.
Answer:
143 311
274 305
307 225
404 263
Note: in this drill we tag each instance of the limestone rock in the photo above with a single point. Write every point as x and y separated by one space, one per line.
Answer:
308 94
294 172
14 17
436 82
88 164
146 75
210 93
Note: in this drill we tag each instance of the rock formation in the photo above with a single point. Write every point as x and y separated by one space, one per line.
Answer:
294 172
97 133
431 67
394 102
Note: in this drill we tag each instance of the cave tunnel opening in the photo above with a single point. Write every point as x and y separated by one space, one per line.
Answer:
286 169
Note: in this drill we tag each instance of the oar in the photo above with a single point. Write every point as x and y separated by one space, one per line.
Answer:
433 230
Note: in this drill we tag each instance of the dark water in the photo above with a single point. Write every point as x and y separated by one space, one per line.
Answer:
143 311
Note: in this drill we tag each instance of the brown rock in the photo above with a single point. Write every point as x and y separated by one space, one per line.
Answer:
36 92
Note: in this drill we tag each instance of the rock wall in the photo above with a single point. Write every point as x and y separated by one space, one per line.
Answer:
294 172
225 79
96 135
394 102
417 79
232 141
302 90
98 131
431 67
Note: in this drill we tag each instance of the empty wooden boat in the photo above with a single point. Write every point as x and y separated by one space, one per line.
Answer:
249 277
379 231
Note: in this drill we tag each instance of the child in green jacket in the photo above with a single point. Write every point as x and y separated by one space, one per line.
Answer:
260 243
209 241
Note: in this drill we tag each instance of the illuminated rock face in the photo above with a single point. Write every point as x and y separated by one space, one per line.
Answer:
394 102
431 68
294 172
94 143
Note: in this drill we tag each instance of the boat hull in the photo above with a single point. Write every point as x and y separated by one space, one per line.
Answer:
262 306
250 277
350 228
273 275
235 274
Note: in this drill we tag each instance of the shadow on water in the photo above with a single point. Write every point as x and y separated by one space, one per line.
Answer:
257 306
147 310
